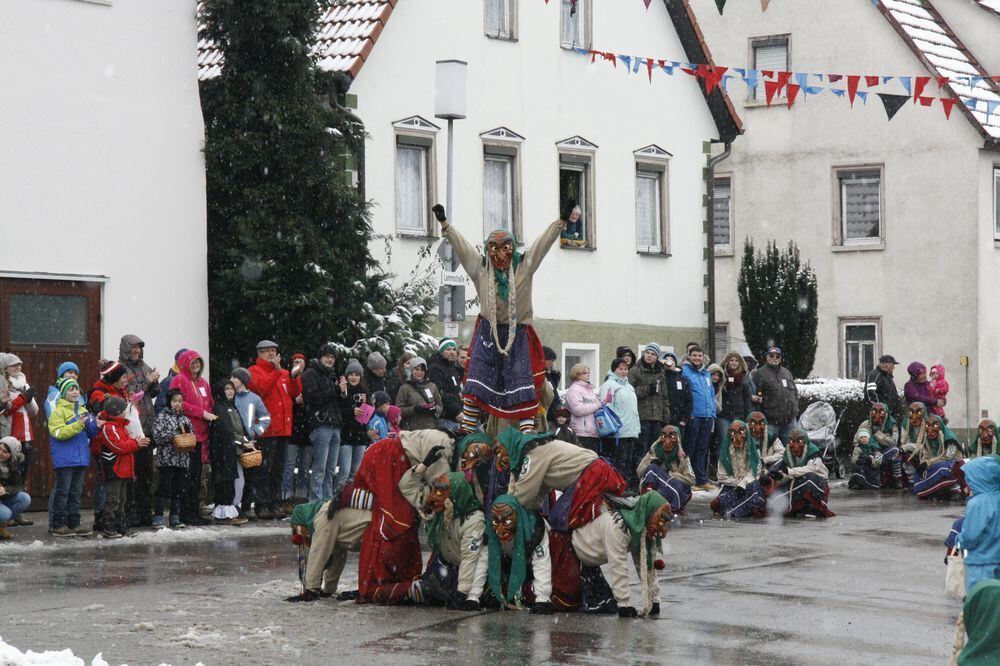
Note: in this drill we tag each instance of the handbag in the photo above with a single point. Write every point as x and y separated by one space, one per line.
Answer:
954 577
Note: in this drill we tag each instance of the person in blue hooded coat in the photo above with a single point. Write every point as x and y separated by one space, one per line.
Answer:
980 535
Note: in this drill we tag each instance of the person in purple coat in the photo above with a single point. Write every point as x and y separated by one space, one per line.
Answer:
918 389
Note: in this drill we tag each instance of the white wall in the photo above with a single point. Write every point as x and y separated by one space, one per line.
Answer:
987 360
923 284
547 94
101 170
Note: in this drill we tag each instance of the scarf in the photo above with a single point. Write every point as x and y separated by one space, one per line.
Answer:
753 455
460 503
519 557
888 425
636 517
516 443
811 450
502 278
982 624
668 459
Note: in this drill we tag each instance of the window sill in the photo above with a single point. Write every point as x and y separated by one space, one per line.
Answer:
996 242
755 103
724 252
661 255
581 248
500 38
572 47
859 247
416 237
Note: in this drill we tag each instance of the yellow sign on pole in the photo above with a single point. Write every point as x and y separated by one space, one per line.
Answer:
963 361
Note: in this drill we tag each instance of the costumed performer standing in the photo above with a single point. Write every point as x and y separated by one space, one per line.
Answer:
506 368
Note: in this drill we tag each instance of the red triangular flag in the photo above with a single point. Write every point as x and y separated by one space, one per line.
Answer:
793 90
649 68
712 78
647 3
593 54
942 81
871 81
783 79
948 103
833 78
612 57
769 73
925 101
852 86
919 83
770 87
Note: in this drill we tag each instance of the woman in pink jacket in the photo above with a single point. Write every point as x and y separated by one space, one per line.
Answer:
582 400
198 404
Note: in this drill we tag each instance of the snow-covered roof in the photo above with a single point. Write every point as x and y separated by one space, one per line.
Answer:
991 5
346 34
936 45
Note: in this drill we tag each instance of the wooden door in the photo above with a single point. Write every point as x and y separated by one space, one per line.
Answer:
47 322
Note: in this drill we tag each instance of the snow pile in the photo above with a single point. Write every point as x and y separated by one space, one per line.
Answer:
11 656
838 391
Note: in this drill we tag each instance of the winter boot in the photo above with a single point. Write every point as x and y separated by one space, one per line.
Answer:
62 532
158 522
176 522
4 534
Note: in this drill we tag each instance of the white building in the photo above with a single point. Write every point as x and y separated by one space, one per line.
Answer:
102 182
898 218
536 129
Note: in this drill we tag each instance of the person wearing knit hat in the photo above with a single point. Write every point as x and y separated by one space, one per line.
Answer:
241 374
375 370
117 459
648 377
113 373
419 399
443 369
13 499
354 365
67 369
355 400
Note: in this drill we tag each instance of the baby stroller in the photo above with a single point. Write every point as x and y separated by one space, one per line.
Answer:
820 422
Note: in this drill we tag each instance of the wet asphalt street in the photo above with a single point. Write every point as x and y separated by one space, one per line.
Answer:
864 587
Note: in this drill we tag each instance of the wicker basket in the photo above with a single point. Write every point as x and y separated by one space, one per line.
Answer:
251 459
185 442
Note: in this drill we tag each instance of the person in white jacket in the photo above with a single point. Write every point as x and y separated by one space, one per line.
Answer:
519 557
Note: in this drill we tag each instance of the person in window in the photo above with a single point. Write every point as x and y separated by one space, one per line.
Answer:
803 472
624 449
582 401
740 468
573 235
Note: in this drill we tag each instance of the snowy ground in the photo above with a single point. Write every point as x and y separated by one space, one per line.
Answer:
864 587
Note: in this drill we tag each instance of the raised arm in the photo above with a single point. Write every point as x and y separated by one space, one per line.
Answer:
533 257
471 260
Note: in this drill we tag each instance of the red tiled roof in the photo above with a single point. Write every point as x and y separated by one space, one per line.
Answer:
346 34
936 45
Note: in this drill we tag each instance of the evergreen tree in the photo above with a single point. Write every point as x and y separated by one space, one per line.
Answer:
288 233
778 304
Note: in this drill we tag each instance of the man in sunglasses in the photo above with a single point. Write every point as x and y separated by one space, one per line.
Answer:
776 394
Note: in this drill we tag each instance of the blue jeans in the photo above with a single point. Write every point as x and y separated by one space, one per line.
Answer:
64 502
326 452
348 463
783 431
13 506
293 482
699 431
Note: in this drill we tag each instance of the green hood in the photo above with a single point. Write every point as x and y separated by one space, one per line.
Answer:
982 624
305 514
974 447
463 501
911 430
810 451
661 453
937 446
890 423
516 443
753 453
636 517
503 282
519 557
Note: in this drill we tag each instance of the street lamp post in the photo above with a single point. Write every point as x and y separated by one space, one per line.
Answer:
449 104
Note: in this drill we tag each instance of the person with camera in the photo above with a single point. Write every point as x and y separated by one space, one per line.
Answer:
355 412
419 399
321 392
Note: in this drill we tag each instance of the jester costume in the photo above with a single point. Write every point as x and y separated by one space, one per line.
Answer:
506 368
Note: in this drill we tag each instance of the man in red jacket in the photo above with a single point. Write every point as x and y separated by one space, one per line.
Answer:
117 448
279 389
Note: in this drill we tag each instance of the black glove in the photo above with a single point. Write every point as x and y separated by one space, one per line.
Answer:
653 388
463 603
567 209
627 611
29 394
432 456
543 608
655 610
439 213
775 474
308 595
350 595
764 478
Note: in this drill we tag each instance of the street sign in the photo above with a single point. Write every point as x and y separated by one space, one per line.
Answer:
451 329
453 279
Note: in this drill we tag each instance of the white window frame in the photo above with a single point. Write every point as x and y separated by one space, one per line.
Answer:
724 249
843 323
723 327
416 133
578 154
996 202
758 97
509 31
584 20
503 144
840 239
653 162
590 351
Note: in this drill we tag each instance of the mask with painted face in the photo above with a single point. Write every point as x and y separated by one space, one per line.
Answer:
878 415
933 429
797 444
500 247
439 492
758 426
502 457
738 435
475 454
669 439
658 522
916 415
987 432
504 520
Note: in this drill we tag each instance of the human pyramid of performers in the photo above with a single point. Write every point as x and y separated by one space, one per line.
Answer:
516 518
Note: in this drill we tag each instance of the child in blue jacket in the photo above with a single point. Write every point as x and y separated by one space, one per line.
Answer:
71 427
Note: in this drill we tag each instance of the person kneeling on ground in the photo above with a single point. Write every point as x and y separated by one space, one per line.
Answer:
514 534
329 529
739 474
456 571
805 474
667 470
627 527
985 442
876 457
938 460
13 499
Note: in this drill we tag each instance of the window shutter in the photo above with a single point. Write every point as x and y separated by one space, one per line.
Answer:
721 213
647 212
571 22
411 189
772 57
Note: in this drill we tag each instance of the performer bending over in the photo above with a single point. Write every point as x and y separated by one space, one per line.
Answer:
739 469
506 368
667 470
520 569
804 473
474 458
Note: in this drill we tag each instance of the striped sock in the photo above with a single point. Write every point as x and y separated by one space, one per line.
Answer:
526 425
469 420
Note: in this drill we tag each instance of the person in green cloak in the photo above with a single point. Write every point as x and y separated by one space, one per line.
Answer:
938 461
520 567
981 618
985 443
741 494
803 473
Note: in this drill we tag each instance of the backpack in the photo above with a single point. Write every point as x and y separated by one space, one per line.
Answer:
608 422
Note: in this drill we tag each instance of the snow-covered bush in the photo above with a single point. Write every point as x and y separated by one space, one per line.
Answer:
846 396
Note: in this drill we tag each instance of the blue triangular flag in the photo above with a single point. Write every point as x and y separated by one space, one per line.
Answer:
839 92
991 106
905 80
975 81
739 70
627 60
725 82
802 79
886 79
969 102
863 95
751 80
818 76
637 62
812 90
668 68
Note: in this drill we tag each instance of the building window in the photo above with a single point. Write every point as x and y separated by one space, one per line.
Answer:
859 205
575 24
651 200
996 203
501 181
768 54
721 335
576 181
581 352
415 176
860 345
722 214
500 18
